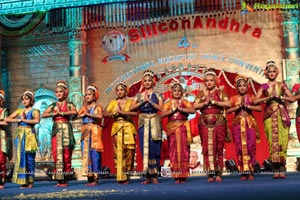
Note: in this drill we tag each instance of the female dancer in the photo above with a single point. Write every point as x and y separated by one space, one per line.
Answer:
178 132
149 126
123 133
25 140
211 101
276 118
296 92
3 139
91 138
245 130
62 134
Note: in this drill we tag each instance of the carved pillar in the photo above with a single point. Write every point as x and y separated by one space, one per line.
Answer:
291 67
77 50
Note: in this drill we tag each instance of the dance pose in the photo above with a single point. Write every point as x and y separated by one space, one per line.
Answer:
211 101
178 132
3 139
276 118
244 128
25 140
296 92
62 134
149 126
123 132
91 138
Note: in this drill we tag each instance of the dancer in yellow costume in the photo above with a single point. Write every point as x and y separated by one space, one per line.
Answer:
123 133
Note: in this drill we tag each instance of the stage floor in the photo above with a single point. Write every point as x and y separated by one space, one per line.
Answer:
263 187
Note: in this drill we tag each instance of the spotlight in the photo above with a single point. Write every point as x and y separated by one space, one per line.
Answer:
105 172
231 166
268 165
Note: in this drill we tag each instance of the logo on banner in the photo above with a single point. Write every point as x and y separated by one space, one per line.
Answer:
114 43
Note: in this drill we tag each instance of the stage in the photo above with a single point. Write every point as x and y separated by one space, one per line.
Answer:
197 187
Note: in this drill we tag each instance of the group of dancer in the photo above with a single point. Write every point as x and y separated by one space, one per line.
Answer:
150 107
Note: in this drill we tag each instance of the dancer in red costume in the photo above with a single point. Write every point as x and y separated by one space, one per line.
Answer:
244 128
178 132
62 134
211 101
3 139
296 92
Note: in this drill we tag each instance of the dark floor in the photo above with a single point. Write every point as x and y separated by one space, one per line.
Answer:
263 187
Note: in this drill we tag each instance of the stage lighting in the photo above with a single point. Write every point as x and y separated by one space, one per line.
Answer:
231 166
298 164
268 165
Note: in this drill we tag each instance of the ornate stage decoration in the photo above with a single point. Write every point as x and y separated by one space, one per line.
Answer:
113 44
17 25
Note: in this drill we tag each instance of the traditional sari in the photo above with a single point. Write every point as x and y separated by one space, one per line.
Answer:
296 90
62 141
212 129
179 138
3 146
91 144
26 145
245 133
150 134
123 132
277 125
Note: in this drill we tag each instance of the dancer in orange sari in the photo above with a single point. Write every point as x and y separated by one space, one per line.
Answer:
62 134
91 137
211 101
244 128
123 132
178 132
3 139
276 117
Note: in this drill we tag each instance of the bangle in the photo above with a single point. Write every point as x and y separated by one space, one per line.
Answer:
19 120
182 109
213 102
62 114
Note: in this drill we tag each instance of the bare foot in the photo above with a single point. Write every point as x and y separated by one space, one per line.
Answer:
276 176
251 177
155 181
123 182
282 176
219 179
210 179
243 178
26 186
92 184
147 181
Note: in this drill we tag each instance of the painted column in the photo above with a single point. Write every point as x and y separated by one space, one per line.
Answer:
291 67
77 67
